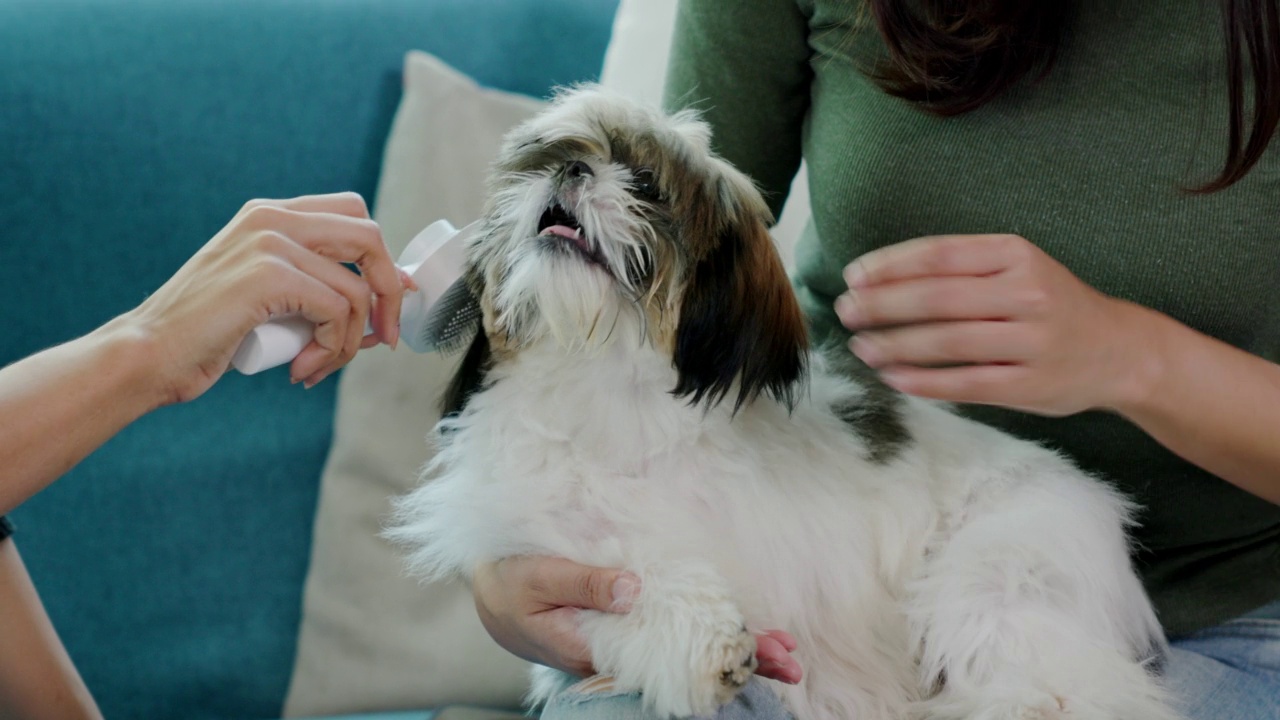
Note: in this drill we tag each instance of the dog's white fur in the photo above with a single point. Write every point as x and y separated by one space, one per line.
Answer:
969 575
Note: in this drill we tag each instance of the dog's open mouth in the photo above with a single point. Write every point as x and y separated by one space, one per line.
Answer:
559 222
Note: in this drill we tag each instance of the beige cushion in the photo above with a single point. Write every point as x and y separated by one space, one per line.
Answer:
371 638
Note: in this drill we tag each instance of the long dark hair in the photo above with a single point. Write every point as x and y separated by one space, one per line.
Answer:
951 56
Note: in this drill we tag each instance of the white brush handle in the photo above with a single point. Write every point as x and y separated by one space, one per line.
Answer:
275 343
434 259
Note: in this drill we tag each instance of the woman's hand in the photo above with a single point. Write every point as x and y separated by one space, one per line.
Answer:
275 257
992 319
773 653
528 604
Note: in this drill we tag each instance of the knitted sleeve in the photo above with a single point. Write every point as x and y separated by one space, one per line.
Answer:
745 66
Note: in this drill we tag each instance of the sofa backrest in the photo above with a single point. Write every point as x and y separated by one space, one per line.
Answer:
173 559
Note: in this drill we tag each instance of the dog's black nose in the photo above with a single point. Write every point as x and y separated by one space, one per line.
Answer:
577 168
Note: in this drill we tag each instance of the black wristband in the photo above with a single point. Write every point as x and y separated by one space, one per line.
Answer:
6 527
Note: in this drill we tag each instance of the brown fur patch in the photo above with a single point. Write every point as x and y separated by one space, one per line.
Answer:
739 319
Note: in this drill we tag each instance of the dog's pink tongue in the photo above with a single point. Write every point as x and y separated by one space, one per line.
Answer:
568 233
562 231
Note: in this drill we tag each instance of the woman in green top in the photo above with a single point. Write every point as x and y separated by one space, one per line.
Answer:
1089 209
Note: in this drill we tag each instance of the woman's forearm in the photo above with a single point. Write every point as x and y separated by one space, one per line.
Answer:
59 405
37 679
1212 404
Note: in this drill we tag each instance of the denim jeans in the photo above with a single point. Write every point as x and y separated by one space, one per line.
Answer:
1228 672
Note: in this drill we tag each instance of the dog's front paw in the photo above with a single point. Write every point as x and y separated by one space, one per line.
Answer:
720 661
684 646
733 663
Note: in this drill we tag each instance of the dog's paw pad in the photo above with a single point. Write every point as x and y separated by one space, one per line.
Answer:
737 677
736 662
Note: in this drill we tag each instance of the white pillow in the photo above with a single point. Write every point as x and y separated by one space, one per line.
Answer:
371 638
636 64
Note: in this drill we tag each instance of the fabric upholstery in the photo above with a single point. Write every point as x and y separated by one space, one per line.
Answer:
172 560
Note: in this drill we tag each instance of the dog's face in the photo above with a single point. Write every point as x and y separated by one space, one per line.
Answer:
604 215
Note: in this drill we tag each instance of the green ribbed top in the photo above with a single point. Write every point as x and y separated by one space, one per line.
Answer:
1087 163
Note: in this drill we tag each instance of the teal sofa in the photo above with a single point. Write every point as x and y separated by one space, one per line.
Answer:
173 559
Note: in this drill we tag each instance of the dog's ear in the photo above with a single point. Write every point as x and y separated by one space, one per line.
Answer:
739 318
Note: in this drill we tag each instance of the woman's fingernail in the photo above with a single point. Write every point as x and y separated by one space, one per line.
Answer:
854 275
847 308
892 379
866 350
395 336
625 590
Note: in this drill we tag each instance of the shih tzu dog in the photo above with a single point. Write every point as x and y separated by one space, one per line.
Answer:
642 396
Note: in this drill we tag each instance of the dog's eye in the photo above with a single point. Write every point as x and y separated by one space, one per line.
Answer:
645 184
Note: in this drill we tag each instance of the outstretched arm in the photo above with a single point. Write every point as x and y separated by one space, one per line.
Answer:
274 257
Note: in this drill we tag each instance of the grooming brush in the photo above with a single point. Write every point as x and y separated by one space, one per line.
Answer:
440 316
